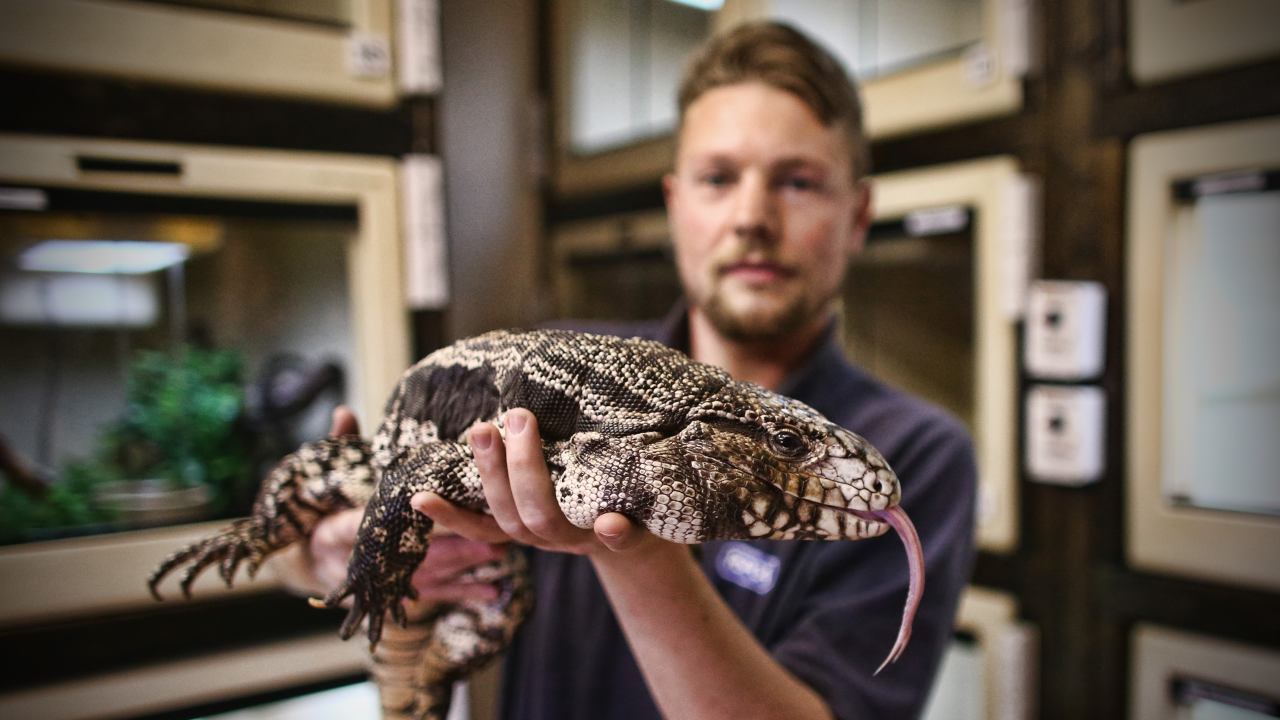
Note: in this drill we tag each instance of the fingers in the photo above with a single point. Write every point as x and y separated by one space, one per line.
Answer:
518 487
531 484
491 461
470 525
344 422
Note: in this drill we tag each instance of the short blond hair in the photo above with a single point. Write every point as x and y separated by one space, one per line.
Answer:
780 56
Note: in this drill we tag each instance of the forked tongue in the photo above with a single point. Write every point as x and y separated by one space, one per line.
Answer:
897 518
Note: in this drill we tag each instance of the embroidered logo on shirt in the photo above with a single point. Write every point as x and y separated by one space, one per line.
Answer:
748 567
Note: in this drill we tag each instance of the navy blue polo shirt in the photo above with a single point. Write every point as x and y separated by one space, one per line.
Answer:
827 611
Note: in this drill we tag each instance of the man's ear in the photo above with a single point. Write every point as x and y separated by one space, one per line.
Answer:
668 187
861 217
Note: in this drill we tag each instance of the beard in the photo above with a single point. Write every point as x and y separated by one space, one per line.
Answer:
762 320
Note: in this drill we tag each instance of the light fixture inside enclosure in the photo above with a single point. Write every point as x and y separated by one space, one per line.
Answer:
102 257
708 5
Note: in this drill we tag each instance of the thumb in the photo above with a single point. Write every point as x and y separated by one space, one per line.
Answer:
616 532
343 422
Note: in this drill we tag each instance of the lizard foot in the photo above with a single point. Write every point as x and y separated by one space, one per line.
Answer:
373 597
238 543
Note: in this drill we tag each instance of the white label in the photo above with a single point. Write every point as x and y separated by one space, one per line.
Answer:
1066 338
936 221
23 199
418 46
1225 183
1065 434
425 254
1019 220
979 65
368 56
748 567
1015 36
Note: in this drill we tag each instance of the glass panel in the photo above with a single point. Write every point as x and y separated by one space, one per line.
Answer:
626 57
162 396
879 37
1222 335
958 692
320 12
909 314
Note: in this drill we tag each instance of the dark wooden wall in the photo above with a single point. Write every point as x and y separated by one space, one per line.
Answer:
1069 571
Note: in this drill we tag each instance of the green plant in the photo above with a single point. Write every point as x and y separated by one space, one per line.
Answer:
182 424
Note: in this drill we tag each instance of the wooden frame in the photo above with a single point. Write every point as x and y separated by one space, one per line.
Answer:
56 579
1162 655
190 46
985 82
1169 39
1005 236
1210 544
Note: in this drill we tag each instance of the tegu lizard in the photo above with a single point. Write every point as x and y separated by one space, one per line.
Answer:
628 426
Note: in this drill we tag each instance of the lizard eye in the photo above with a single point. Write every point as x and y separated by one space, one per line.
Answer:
787 443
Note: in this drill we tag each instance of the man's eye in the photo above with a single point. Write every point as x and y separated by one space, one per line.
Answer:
716 179
800 183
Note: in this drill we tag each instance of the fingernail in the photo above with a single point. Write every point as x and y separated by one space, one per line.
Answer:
481 439
515 423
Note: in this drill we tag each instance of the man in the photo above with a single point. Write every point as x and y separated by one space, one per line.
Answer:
767 203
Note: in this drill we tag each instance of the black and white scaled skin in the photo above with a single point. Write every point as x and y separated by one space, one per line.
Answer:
628 426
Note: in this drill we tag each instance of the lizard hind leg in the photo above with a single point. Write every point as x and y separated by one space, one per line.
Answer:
416 666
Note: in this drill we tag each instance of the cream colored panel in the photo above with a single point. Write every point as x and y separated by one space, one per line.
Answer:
1170 38
1212 544
208 49
1161 655
1004 237
172 685
1006 651
101 574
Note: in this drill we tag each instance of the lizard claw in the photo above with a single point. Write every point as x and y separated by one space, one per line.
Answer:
227 549
370 600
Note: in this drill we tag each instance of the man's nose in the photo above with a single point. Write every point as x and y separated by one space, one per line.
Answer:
754 211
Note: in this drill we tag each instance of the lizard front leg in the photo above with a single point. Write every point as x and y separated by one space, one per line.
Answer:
392 539
319 479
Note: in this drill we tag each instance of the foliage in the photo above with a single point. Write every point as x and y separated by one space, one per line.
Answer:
68 504
182 423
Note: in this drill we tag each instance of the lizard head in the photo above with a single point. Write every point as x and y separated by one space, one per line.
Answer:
781 470
776 468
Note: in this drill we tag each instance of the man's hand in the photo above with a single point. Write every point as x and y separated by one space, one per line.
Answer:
518 488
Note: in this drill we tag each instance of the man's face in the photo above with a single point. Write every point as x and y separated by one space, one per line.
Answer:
764 211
